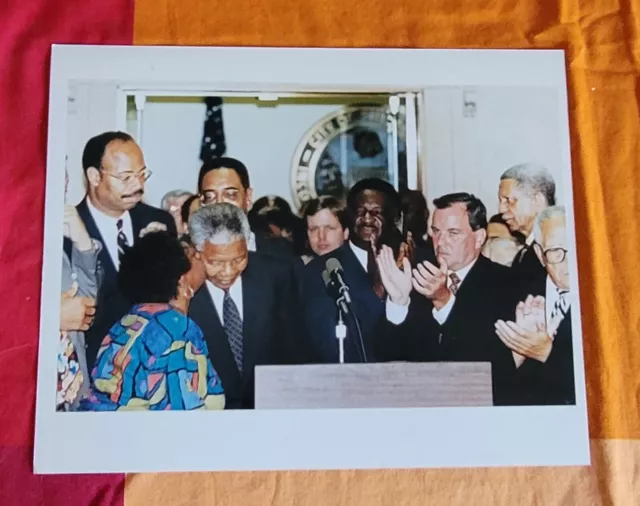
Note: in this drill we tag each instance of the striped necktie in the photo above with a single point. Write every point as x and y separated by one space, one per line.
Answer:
561 305
123 243
455 283
233 328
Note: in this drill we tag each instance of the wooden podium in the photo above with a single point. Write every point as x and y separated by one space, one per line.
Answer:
379 385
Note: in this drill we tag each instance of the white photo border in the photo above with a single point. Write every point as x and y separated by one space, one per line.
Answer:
296 439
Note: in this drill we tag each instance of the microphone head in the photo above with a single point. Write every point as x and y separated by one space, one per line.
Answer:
333 264
326 277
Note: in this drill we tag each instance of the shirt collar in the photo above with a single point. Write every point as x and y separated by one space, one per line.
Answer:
462 273
251 243
530 239
361 254
96 213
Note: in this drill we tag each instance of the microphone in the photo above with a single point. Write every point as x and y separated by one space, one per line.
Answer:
333 277
335 284
335 272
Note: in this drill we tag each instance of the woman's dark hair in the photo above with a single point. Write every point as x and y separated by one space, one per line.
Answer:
151 268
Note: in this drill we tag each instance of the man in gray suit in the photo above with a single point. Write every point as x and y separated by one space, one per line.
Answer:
81 277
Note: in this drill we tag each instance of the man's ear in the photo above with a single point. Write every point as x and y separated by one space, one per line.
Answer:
538 249
541 201
481 237
93 177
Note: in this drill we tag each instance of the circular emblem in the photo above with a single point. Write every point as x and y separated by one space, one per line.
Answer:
343 147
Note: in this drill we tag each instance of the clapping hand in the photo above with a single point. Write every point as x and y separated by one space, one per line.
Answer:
528 335
431 281
407 250
396 280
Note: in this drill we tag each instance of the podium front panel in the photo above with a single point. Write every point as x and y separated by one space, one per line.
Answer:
380 385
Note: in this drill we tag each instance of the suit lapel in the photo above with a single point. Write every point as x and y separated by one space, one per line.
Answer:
137 223
252 297
104 257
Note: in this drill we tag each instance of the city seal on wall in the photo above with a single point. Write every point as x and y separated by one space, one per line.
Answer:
341 148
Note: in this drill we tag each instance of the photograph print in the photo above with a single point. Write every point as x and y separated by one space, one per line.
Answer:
269 249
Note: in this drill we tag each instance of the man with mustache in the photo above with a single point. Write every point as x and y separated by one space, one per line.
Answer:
114 214
374 205
525 191
446 310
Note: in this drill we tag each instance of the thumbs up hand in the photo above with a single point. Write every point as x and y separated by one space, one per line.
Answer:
76 313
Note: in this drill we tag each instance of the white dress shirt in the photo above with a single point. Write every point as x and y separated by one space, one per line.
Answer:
551 297
361 254
251 243
217 295
108 228
396 313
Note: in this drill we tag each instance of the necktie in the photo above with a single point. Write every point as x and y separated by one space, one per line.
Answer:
123 244
233 328
455 282
561 305
374 275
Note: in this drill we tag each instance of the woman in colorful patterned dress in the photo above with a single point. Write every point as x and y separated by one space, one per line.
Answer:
155 357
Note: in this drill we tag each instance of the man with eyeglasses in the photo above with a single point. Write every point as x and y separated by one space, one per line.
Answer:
541 337
114 214
375 207
226 179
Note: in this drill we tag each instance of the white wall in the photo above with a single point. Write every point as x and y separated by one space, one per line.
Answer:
263 137
91 110
511 125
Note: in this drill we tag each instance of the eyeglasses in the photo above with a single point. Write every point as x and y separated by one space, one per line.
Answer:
130 177
208 197
555 255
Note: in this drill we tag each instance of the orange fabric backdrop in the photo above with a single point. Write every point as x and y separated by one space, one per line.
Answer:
603 55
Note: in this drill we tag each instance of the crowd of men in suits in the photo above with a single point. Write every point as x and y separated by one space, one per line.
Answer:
414 296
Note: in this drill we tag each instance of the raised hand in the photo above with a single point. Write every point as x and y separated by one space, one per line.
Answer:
154 226
407 250
75 230
396 281
431 281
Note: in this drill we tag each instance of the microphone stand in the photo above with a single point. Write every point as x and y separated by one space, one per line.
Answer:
341 333
341 328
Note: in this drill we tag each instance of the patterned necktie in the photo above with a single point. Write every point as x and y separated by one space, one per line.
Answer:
561 305
233 328
455 283
123 244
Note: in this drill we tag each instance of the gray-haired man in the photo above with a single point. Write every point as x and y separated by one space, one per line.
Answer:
247 308
525 191
541 337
